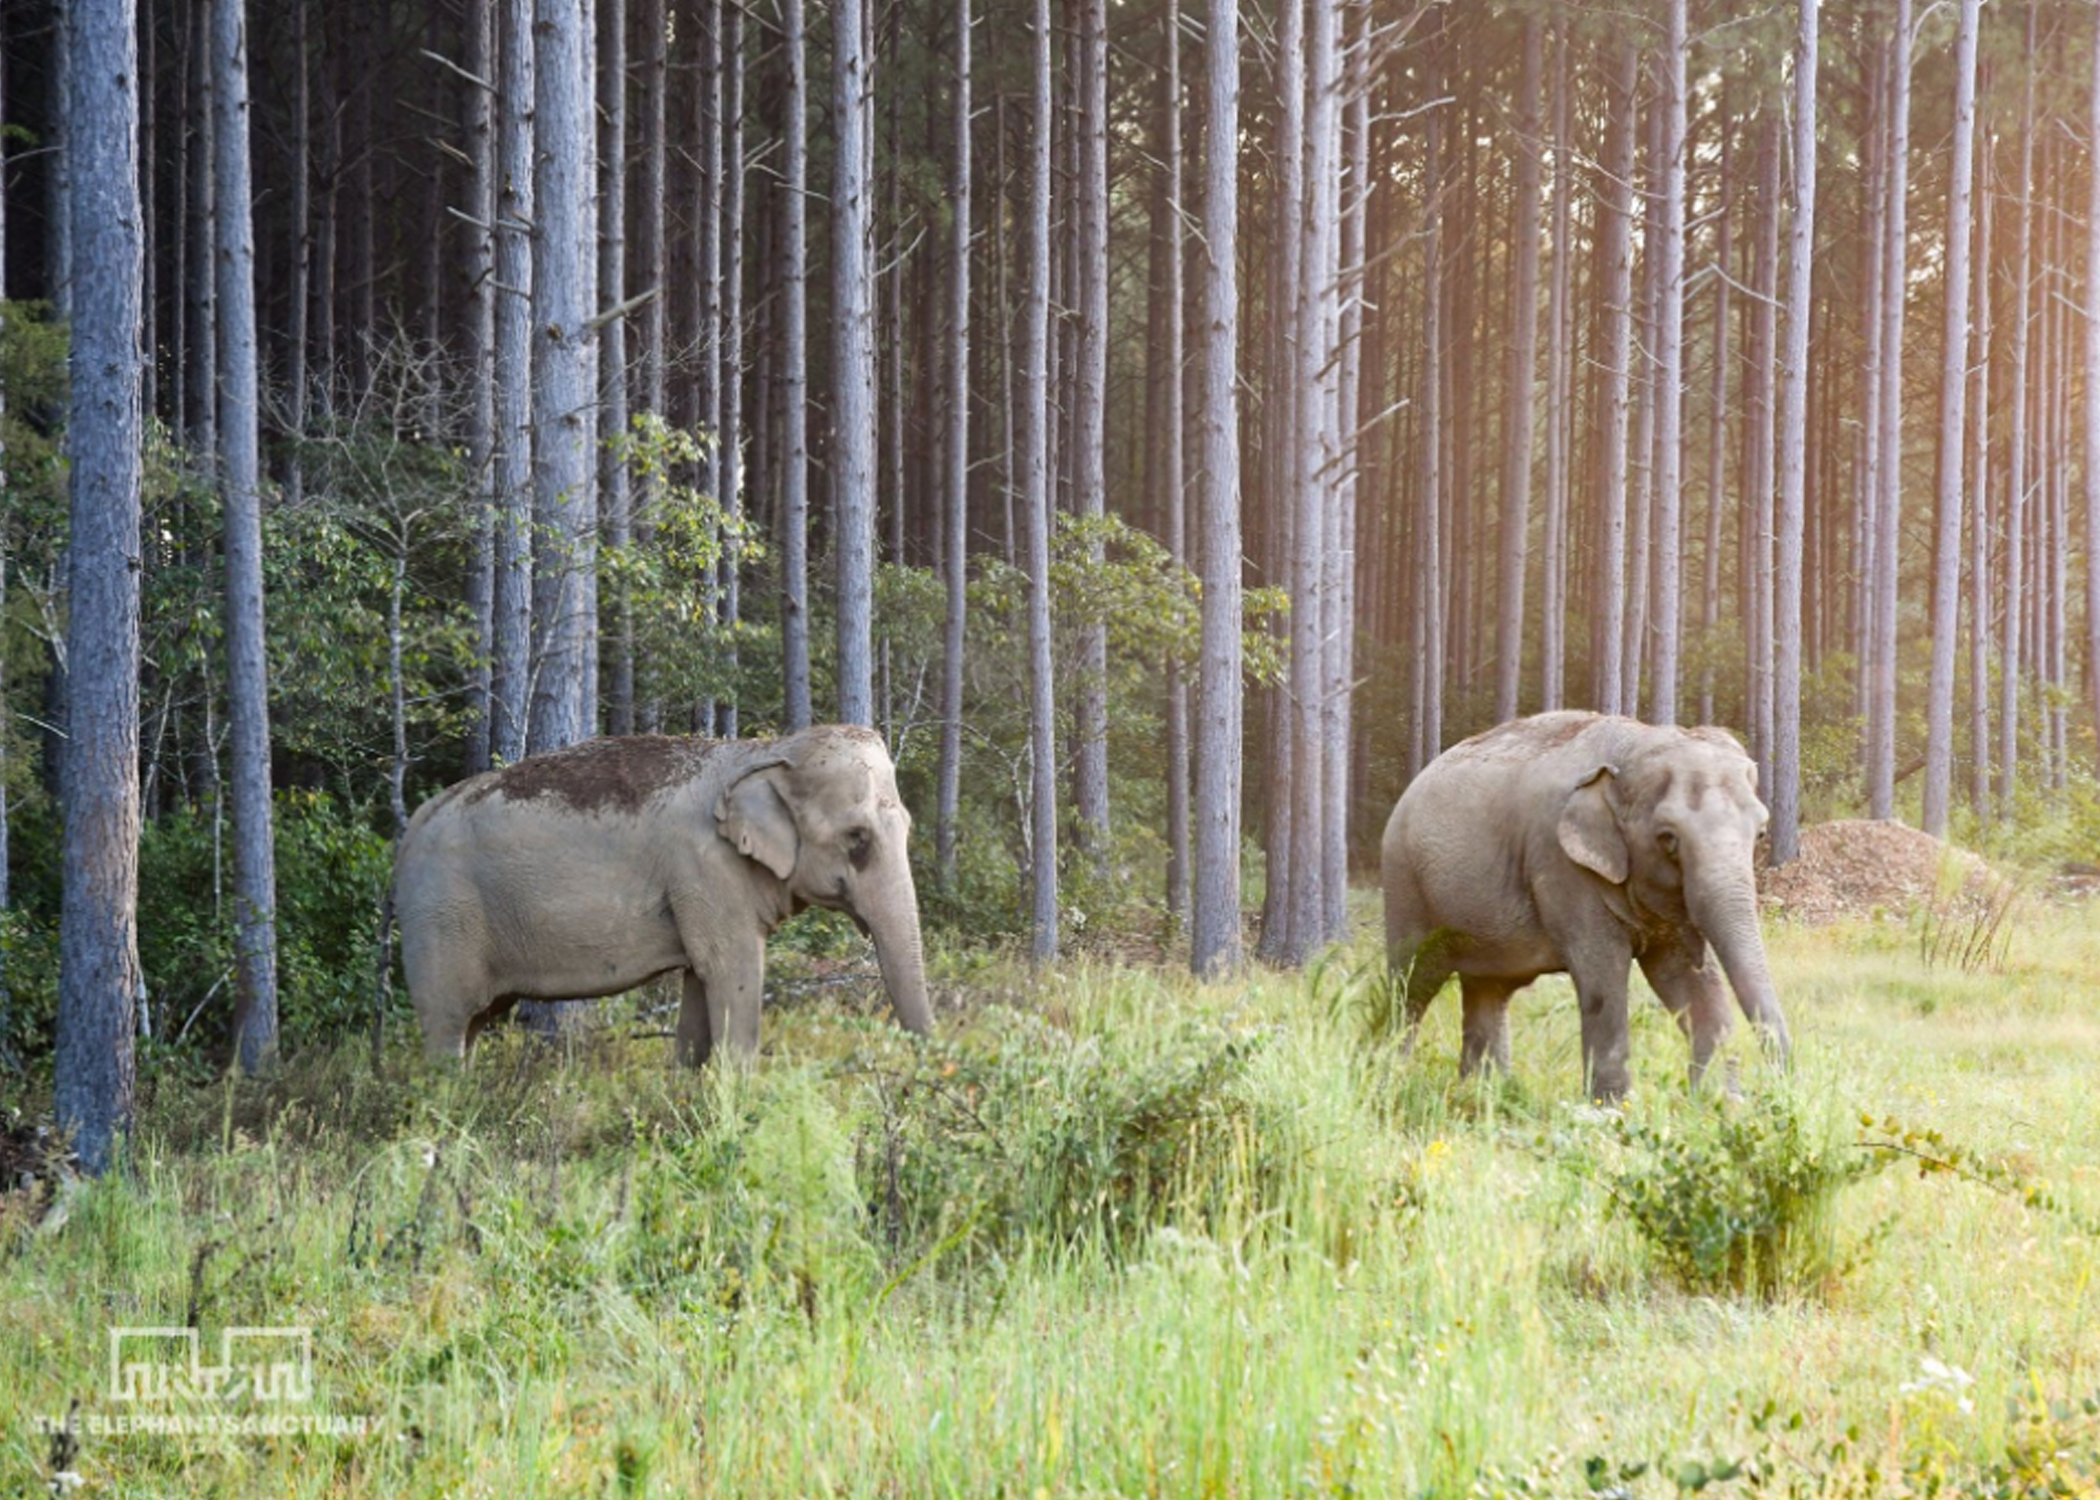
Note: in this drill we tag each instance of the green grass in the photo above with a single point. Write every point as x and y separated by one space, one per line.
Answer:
1117 1235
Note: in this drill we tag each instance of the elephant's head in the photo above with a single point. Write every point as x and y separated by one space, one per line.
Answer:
825 818
1674 825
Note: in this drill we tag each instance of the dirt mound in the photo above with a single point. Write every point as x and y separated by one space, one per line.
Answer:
1855 868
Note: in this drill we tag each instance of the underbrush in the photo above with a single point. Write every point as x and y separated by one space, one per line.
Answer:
1116 1233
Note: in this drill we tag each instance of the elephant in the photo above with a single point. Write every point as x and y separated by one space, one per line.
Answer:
1578 843
583 872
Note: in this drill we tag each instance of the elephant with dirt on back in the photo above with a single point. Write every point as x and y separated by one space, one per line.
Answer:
583 872
1578 843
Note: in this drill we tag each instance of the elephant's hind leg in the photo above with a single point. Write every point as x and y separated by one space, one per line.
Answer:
449 987
1417 973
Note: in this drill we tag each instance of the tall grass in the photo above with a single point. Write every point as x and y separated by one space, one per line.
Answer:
1114 1234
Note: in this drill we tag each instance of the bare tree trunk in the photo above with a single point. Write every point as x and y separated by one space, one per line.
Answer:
1785 793
1090 418
1426 635
1610 602
1717 422
853 357
730 382
1035 497
2091 376
1170 355
1669 377
1554 606
1881 696
1979 486
956 556
1867 496
564 371
200 420
704 274
510 666
2016 453
1343 472
1954 391
477 274
240 479
1520 384
99 979
300 263
654 314
615 497
794 378
1214 931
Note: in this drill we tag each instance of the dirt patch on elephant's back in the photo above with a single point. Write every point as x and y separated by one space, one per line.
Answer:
1856 868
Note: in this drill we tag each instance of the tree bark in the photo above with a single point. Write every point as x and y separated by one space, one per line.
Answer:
794 375
1554 563
564 371
1881 695
478 294
955 556
1214 930
510 667
1519 386
240 481
1035 498
1168 352
1090 418
853 357
2016 453
615 497
1954 392
2091 375
1669 378
1785 793
730 380
99 979
1610 603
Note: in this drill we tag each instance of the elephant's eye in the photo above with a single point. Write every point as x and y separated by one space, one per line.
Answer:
860 843
1668 841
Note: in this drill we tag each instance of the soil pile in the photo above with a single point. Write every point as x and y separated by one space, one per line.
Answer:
1855 868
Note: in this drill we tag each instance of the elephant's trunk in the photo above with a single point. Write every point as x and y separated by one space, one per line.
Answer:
1722 899
892 918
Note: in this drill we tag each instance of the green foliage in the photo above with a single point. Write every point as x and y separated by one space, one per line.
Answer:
1730 1197
1029 1135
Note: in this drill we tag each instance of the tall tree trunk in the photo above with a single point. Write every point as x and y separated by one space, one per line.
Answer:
1761 385
1785 794
510 604
1717 423
2091 377
300 265
1090 418
704 273
1554 564
1669 377
1035 497
564 371
200 419
1881 696
1168 355
1610 602
1426 621
955 556
730 381
614 495
794 376
1979 486
654 315
2016 451
853 356
99 979
1214 926
240 479
478 294
1954 392
1520 383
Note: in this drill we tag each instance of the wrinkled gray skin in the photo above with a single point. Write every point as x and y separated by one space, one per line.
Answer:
587 871
1579 844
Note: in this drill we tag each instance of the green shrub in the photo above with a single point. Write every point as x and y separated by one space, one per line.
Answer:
1733 1196
1044 1137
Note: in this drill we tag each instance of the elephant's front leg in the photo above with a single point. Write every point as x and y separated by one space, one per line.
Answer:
696 1031
730 976
1691 989
1600 969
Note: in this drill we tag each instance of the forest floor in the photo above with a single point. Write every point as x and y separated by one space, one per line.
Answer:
1118 1234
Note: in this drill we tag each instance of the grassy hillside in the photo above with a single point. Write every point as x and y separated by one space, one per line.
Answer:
1120 1235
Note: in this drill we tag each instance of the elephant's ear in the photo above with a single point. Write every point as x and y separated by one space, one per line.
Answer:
755 818
1589 828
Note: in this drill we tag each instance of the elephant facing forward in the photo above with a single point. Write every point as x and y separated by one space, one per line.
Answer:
584 872
1577 843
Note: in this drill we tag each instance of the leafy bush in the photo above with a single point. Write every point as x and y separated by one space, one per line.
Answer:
1045 1137
1733 1197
